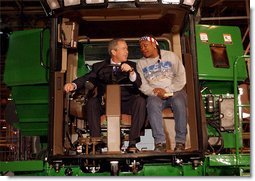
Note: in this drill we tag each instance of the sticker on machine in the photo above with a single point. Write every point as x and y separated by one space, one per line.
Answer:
204 37
227 38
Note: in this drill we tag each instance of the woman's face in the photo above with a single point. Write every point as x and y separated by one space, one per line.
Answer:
148 49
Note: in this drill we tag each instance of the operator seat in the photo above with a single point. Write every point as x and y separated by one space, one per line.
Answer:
77 110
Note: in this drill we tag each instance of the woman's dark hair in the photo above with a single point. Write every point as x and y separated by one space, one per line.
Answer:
157 44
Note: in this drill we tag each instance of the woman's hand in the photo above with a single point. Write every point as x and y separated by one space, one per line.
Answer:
159 92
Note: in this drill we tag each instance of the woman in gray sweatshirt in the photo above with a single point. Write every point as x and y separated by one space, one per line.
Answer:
163 79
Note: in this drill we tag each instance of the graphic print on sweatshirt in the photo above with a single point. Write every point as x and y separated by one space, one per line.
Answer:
158 71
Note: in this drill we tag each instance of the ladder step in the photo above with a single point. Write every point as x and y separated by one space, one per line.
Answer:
246 135
246 121
245 150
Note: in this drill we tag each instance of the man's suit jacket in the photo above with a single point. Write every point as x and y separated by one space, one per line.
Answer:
104 73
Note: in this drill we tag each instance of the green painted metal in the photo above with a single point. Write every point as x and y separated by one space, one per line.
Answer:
32 113
22 65
236 115
226 165
168 169
223 81
190 170
162 170
76 171
18 166
30 94
82 69
229 160
245 171
212 165
165 169
32 108
28 80
218 87
36 125
33 129
206 69
31 97
222 171
229 139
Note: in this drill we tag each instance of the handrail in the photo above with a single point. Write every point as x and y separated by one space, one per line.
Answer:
237 127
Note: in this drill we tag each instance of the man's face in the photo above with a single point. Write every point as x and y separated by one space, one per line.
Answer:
148 49
121 52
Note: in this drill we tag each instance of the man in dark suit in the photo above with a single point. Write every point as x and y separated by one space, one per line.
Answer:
114 70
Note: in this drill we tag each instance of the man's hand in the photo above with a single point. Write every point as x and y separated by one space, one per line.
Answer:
69 87
126 68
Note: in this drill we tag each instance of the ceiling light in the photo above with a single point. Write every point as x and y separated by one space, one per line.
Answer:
94 1
189 2
170 1
71 2
147 1
53 4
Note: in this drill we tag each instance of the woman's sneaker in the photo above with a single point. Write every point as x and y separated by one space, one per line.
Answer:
179 147
160 147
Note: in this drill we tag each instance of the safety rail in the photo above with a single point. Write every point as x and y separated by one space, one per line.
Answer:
236 106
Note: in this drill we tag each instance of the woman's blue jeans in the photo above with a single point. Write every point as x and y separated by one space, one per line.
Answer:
178 104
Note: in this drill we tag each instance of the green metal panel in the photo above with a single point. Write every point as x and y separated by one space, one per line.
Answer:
213 165
229 140
32 112
164 169
23 58
226 165
218 87
229 159
28 80
30 94
161 170
228 137
190 170
82 69
32 108
206 69
33 119
222 171
76 171
29 165
245 171
168 169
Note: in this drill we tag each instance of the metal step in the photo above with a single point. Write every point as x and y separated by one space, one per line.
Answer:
246 135
246 121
